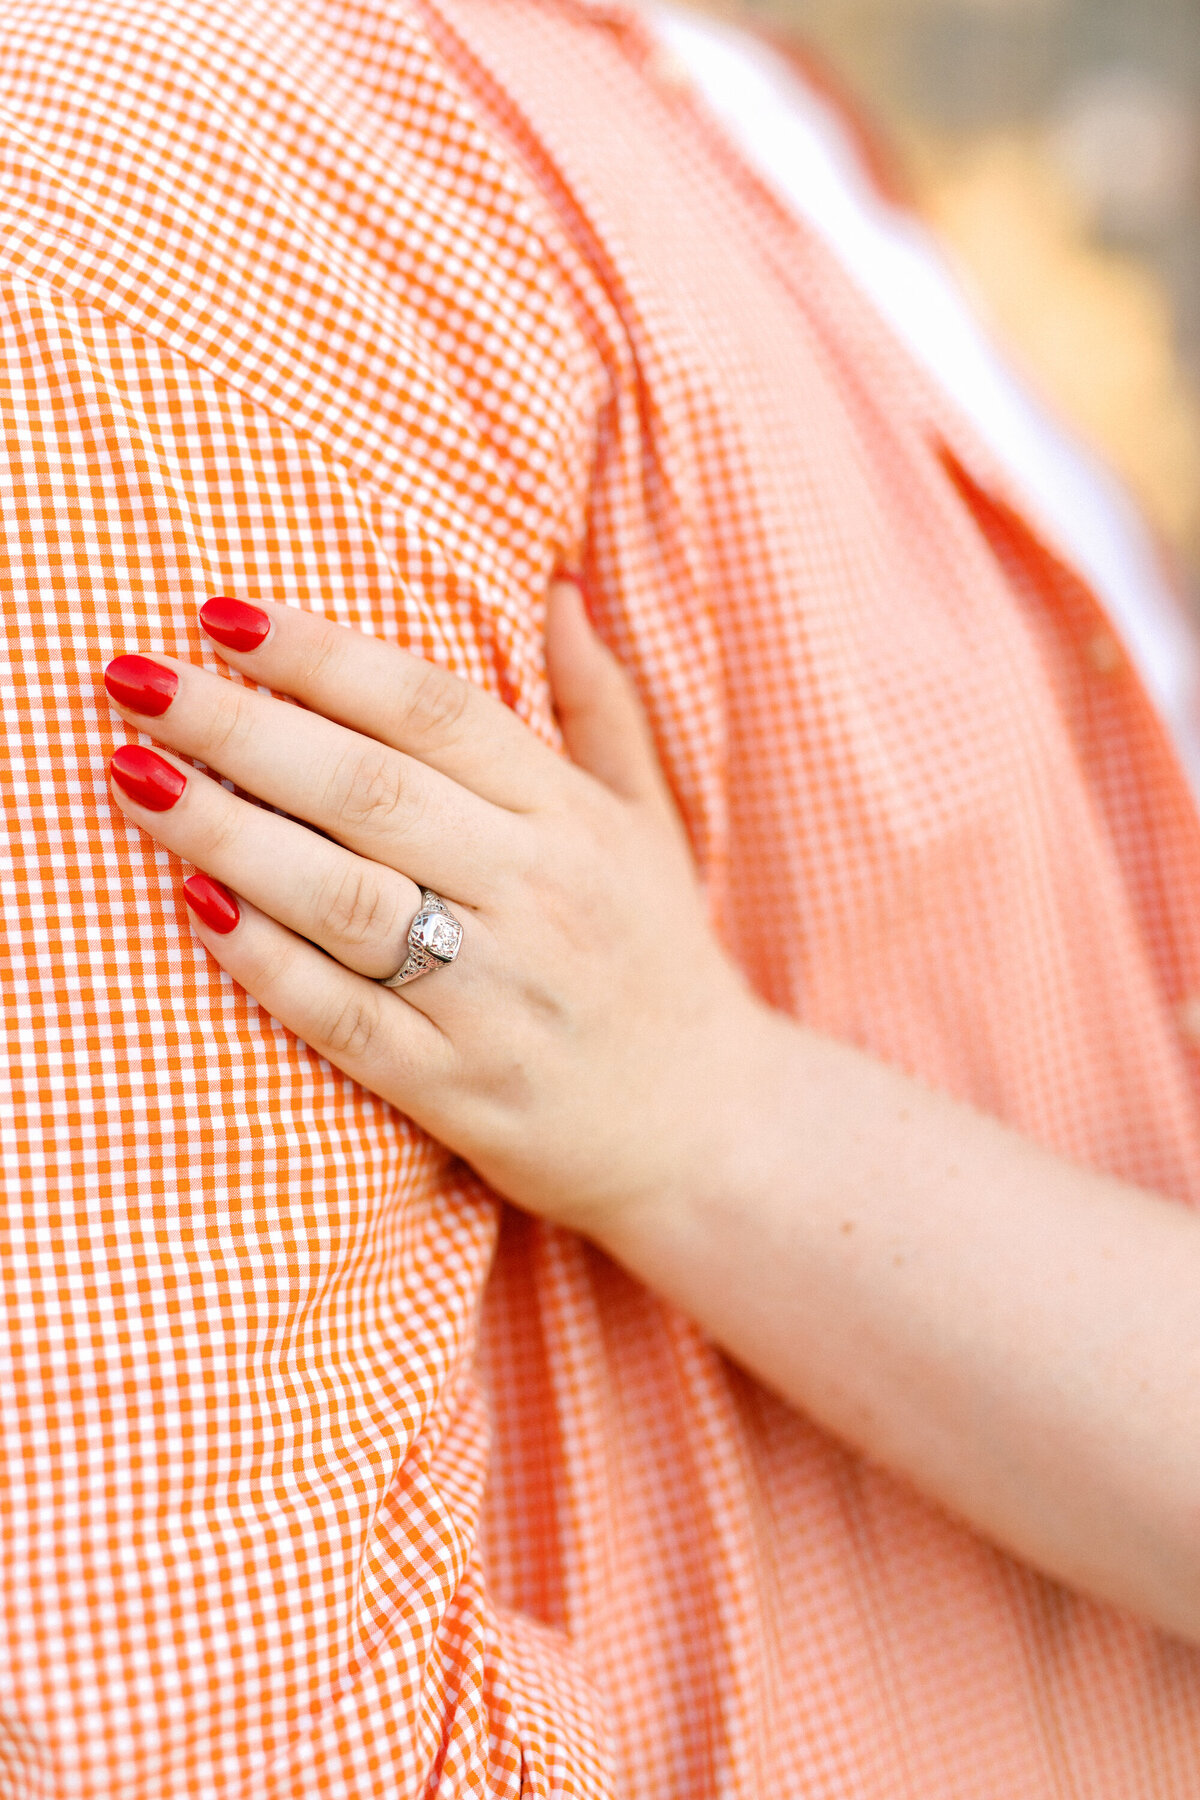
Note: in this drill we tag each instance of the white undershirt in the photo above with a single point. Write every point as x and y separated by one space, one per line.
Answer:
797 141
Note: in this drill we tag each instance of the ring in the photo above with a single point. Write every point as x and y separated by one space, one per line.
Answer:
434 938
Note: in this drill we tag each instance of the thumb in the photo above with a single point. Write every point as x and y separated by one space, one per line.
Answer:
602 721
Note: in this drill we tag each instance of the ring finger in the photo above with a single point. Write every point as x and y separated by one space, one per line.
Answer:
356 909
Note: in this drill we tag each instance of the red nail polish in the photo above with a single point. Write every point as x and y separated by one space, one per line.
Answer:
233 623
212 903
141 685
147 777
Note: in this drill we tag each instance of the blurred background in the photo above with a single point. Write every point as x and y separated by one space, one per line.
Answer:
1055 145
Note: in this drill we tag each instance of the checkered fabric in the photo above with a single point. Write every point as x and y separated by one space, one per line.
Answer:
387 310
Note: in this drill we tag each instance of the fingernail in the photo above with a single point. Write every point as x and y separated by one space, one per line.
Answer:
141 685
212 903
233 623
147 777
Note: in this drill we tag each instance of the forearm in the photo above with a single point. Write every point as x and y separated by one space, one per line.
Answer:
1019 1337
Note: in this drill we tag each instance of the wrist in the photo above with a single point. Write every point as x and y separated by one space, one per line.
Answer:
717 1155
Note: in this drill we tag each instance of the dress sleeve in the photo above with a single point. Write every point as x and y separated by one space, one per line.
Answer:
243 1452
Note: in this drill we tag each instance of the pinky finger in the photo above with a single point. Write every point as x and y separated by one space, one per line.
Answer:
372 1035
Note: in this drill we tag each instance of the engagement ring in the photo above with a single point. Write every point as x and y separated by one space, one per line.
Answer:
434 938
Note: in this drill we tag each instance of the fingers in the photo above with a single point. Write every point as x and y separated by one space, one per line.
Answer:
386 805
355 909
358 1026
603 725
403 701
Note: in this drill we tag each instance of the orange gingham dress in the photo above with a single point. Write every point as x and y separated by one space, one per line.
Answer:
389 310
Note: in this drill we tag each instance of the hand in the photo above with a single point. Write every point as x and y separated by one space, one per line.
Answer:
584 1050
1015 1336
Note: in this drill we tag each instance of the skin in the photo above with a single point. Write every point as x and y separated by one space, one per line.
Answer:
1016 1336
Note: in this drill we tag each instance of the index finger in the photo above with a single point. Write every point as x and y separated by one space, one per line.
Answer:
386 693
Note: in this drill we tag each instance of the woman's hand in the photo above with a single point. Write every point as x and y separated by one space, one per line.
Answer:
1015 1335
583 1050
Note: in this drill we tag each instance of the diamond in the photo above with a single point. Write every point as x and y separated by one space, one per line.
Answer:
437 933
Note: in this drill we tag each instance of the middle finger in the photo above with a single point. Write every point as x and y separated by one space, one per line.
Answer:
369 797
355 909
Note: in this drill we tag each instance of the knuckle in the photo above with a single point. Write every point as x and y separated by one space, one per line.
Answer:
509 1090
374 793
227 728
434 706
560 869
570 896
275 964
357 908
222 837
351 1028
323 653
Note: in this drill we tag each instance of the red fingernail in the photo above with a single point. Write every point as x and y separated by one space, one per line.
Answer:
212 903
141 685
147 777
233 623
